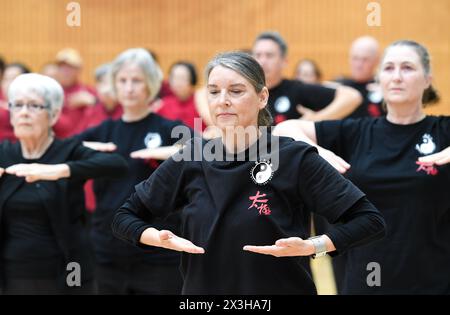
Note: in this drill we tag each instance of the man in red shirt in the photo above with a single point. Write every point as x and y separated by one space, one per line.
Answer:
78 98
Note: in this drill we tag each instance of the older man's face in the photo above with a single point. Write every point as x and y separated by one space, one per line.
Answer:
29 117
68 75
269 56
363 61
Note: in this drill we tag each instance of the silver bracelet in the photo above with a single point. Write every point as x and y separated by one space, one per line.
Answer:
319 245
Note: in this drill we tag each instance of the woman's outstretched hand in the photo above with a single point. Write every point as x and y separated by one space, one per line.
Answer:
167 239
336 161
35 171
285 247
160 153
439 158
100 146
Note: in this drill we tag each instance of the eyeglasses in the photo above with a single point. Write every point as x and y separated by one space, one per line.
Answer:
33 108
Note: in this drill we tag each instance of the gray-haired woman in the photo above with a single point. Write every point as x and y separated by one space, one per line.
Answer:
142 138
41 195
240 212
402 162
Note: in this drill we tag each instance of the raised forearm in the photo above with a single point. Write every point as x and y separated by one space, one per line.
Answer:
345 102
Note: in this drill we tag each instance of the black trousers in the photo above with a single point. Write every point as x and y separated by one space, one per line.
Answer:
138 278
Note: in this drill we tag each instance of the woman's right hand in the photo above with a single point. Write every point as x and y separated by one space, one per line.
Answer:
337 162
100 146
167 239
2 170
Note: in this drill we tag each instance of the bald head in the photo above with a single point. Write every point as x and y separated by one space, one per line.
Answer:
364 57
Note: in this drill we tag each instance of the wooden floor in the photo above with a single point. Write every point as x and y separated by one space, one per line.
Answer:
323 275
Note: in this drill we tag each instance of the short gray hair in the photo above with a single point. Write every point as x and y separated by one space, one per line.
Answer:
47 88
250 69
143 59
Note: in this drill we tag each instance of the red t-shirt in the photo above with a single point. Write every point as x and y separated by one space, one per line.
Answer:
73 119
6 130
175 109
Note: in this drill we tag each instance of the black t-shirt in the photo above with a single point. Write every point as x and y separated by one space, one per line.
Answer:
223 209
284 98
372 100
150 132
415 255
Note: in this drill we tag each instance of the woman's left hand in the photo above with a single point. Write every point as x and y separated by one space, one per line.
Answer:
439 158
160 153
307 114
286 247
35 171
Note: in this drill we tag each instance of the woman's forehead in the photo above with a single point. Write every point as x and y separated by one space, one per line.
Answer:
225 76
401 54
132 68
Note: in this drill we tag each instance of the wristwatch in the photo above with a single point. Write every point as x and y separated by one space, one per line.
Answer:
319 245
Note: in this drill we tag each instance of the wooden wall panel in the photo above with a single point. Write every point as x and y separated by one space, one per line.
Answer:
34 30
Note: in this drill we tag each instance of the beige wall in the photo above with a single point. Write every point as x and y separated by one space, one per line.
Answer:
33 30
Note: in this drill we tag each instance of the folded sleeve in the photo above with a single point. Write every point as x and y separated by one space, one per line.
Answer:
339 136
323 189
328 193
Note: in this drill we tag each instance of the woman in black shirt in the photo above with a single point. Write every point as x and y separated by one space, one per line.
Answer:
402 163
245 203
41 195
142 138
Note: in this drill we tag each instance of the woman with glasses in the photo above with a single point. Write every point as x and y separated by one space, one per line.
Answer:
43 246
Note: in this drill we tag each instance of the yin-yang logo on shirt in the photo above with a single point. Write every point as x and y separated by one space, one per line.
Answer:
374 93
152 140
282 104
375 96
427 146
262 172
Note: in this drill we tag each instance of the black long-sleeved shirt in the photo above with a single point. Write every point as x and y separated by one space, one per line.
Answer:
151 131
228 204
42 223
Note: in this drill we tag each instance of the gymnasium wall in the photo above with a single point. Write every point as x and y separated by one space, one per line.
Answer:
32 31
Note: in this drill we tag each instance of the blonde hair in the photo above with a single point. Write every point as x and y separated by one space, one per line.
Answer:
143 59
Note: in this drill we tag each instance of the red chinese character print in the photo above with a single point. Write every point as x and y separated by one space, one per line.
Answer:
430 169
260 204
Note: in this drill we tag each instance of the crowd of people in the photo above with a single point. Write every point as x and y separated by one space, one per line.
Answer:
97 176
